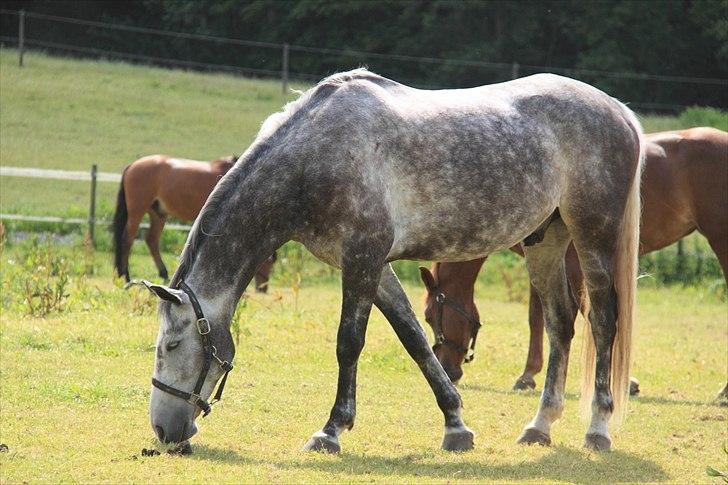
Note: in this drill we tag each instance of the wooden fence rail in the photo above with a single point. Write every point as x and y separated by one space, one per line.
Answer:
92 176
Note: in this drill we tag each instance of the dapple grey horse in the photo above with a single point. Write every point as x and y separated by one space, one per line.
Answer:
363 171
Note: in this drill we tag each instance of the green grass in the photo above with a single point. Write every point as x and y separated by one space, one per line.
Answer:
75 390
70 114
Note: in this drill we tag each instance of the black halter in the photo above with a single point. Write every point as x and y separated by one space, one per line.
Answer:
203 327
440 339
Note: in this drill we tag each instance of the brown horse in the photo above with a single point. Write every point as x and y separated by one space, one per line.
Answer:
683 190
163 186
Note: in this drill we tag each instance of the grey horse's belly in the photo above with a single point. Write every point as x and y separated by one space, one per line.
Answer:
476 190
468 231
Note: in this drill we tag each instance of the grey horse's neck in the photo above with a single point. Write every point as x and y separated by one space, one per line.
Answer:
246 218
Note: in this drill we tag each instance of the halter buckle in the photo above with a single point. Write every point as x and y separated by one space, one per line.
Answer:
440 298
203 326
194 398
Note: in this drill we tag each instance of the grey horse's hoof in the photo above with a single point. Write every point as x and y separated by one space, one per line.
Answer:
634 386
184 448
524 383
459 440
597 442
323 443
532 436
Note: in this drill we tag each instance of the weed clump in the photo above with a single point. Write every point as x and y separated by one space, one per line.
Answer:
39 278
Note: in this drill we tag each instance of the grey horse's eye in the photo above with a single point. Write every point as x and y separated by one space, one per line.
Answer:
172 345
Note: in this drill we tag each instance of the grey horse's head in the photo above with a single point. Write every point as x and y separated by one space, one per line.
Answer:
179 363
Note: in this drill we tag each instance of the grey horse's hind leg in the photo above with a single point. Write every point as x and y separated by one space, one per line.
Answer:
547 272
359 278
392 301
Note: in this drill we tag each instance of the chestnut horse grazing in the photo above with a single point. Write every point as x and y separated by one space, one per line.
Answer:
363 171
684 189
163 186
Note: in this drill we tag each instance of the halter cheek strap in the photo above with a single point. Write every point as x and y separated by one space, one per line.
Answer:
210 354
440 339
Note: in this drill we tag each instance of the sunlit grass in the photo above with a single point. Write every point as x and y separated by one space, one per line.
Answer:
75 391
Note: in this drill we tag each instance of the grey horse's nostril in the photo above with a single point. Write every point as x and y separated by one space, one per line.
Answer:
160 433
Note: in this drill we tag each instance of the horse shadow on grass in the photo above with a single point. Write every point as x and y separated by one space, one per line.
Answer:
562 463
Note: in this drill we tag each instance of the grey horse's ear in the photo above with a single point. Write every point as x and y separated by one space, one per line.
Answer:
427 278
166 293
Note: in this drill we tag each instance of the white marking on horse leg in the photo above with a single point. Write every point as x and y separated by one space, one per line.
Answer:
601 412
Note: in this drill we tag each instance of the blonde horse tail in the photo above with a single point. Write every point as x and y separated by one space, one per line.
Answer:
625 285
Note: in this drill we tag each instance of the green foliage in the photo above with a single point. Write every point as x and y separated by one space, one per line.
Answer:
698 116
38 279
695 264
671 37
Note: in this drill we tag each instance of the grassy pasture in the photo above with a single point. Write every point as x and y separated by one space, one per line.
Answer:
75 385
75 389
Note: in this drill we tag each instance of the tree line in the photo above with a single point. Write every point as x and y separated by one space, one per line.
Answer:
686 38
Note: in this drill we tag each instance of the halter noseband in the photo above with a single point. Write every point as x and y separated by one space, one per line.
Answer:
440 339
210 353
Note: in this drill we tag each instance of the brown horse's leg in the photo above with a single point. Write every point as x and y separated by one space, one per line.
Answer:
156 224
718 240
132 226
263 274
534 361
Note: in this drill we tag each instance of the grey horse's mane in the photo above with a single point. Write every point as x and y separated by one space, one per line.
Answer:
272 131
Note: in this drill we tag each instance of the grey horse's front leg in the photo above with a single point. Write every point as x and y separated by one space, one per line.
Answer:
393 303
359 284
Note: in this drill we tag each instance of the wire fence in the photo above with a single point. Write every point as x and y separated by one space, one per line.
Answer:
288 61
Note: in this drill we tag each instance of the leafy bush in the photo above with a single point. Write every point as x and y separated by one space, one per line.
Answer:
690 262
700 116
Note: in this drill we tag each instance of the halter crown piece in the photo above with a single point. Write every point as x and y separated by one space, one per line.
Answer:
210 354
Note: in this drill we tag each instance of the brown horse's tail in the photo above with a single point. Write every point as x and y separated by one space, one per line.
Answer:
625 286
118 227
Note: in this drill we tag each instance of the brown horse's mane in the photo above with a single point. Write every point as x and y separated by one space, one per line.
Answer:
224 164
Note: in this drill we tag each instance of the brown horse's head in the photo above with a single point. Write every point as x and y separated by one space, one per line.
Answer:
450 311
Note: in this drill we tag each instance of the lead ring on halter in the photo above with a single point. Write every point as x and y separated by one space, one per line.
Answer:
210 353
440 339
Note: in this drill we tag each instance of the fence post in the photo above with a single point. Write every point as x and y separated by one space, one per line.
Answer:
284 69
514 70
92 207
21 36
